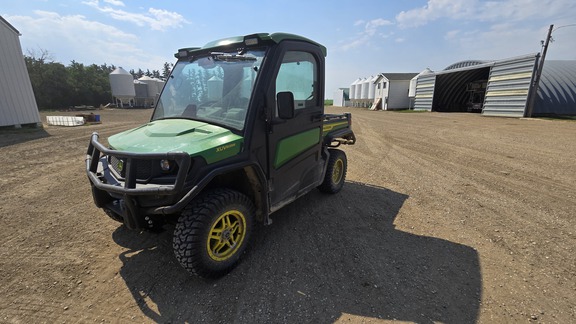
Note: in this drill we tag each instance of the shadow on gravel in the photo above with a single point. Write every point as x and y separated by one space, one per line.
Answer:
12 136
325 258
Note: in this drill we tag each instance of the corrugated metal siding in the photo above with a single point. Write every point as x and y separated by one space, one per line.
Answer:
17 102
557 91
424 92
508 87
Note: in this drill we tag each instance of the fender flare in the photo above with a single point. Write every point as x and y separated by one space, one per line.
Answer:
200 185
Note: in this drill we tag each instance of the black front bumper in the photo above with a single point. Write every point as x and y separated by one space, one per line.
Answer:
106 187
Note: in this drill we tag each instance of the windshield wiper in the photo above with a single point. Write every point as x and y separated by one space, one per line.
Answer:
227 57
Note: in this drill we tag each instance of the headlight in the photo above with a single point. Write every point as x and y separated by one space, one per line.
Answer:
120 165
166 165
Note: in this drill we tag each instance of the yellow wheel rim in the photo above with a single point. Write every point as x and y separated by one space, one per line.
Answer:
226 235
337 171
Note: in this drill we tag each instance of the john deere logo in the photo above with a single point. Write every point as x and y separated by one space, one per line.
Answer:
225 147
120 165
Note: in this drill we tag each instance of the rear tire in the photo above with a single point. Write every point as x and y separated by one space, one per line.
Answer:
213 232
335 172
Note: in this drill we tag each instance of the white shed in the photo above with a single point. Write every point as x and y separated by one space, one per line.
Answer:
392 91
17 103
341 98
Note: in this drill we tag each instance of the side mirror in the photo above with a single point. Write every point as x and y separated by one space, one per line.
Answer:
285 103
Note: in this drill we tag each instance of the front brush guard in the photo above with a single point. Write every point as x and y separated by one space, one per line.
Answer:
102 181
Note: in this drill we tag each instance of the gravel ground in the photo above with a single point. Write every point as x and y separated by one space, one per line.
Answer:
453 218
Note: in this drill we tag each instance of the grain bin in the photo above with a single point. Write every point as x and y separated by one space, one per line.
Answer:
365 86
353 89
372 87
152 90
141 89
358 90
151 84
122 84
159 84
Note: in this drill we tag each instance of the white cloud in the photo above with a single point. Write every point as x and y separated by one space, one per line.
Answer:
451 34
74 37
372 26
495 29
433 10
478 10
371 30
156 19
356 42
497 42
72 27
115 3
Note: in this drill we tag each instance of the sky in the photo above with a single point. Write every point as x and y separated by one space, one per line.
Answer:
363 37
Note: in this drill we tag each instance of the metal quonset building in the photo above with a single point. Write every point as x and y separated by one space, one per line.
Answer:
499 88
17 103
557 91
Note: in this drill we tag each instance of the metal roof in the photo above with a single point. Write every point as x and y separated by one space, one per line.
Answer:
396 76
10 26
557 90
464 64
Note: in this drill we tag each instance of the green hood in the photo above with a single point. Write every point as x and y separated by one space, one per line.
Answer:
196 138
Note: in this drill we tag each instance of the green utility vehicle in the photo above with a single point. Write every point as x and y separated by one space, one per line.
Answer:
238 132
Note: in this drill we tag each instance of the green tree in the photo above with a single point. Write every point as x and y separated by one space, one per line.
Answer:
57 86
49 80
166 70
90 85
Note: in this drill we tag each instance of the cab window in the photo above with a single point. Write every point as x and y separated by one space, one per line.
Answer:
298 74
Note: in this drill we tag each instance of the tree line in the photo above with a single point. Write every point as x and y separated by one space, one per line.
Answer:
57 86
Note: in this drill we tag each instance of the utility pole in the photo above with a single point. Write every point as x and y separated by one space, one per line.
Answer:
536 83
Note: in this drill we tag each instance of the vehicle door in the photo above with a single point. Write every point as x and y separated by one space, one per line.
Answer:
294 144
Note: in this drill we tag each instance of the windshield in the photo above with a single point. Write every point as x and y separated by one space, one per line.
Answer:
215 88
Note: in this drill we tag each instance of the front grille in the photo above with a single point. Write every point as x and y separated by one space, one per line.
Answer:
143 168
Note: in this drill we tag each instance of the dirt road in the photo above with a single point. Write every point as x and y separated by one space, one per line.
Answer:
452 218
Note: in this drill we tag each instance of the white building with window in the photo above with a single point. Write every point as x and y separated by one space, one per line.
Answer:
391 91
